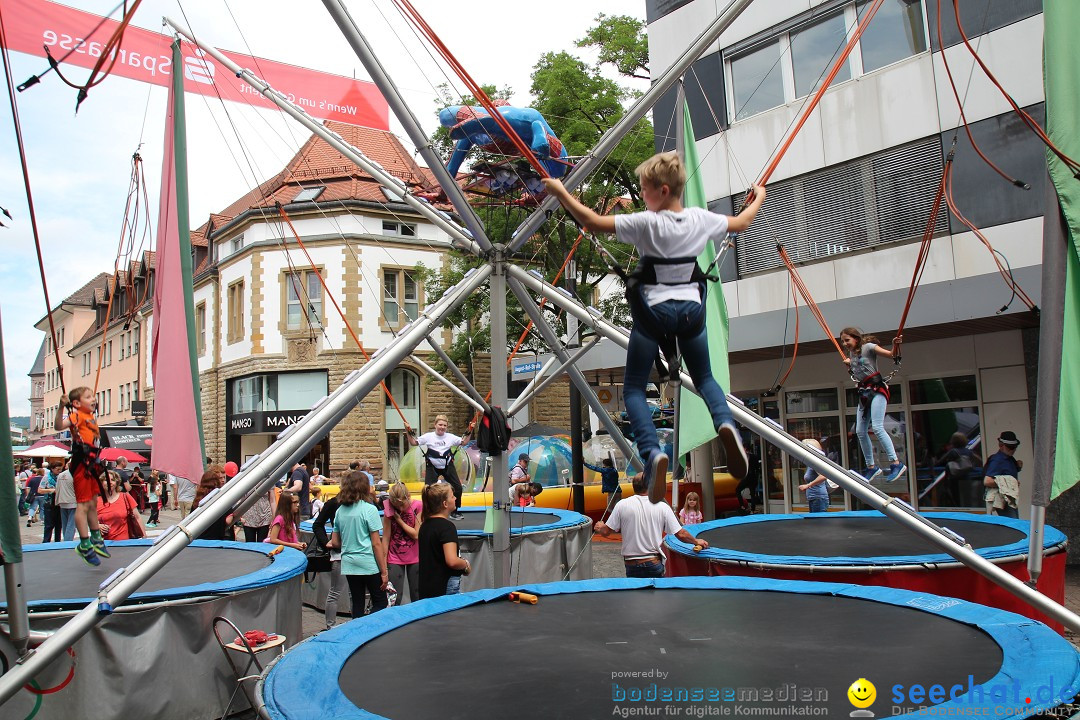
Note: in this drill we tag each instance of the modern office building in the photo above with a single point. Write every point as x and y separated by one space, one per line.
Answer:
850 202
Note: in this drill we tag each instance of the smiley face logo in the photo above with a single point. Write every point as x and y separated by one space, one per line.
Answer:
862 693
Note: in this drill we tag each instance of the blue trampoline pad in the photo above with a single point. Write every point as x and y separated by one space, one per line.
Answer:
57 578
679 647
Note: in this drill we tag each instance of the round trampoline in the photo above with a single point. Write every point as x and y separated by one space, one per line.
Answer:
677 647
544 543
163 631
868 548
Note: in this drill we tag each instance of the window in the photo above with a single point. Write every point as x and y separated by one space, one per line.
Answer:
236 245
895 33
108 401
200 329
814 48
108 353
135 390
871 201
775 68
61 337
309 193
131 343
756 81
398 229
401 295
303 293
235 331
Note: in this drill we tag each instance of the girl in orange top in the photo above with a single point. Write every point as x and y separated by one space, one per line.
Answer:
85 440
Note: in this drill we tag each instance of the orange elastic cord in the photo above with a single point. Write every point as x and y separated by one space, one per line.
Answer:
924 248
963 117
810 106
809 299
1010 281
1020 112
341 314
478 92
794 345
543 301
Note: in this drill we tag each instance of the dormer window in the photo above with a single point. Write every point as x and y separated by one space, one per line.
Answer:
309 194
236 245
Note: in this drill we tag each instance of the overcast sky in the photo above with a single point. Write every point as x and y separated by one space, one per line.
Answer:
80 165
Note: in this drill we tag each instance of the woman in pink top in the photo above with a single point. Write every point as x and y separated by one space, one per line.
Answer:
283 528
401 524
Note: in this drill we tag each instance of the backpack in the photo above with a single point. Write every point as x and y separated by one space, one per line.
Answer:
493 435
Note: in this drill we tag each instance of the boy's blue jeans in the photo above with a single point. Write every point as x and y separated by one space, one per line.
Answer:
640 353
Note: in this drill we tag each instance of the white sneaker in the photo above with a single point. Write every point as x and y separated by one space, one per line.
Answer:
737 462
657 472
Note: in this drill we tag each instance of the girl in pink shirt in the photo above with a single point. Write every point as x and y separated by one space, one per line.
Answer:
401 526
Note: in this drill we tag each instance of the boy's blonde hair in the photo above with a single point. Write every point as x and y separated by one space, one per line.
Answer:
664 169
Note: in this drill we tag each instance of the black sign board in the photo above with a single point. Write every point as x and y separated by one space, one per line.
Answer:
138 408
269 421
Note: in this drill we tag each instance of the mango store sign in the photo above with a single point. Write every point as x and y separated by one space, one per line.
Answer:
269 421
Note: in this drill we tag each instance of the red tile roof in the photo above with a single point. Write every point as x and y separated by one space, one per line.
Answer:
317 163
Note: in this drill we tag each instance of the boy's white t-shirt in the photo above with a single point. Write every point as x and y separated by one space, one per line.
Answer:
668 234
643 525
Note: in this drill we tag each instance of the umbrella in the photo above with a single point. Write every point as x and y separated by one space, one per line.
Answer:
45 451
114 453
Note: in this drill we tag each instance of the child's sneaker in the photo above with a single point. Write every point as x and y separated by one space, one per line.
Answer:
87 553
871 473
99 548
656 471
896 471
733 449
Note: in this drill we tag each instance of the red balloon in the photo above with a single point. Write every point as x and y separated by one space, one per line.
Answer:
231 469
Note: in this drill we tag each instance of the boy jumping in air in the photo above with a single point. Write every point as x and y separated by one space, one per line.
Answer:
666 296
85 469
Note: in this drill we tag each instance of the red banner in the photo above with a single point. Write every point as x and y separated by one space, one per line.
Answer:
144 55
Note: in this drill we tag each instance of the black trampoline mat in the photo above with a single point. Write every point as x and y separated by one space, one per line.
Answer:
565 656
61 574
474 520
824 537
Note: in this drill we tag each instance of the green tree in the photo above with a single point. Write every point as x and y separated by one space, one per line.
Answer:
622 43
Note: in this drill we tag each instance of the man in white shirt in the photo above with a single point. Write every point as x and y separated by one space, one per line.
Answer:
643 525
439 457
185 494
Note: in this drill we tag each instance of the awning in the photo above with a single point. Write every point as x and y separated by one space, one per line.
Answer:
128 437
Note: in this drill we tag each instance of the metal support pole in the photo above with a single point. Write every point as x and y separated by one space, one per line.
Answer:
391 183
500 471
533 388
469 387
635 112
290 446
375 69
575 375
10 537
1051 328
449 385
893 508
577 455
